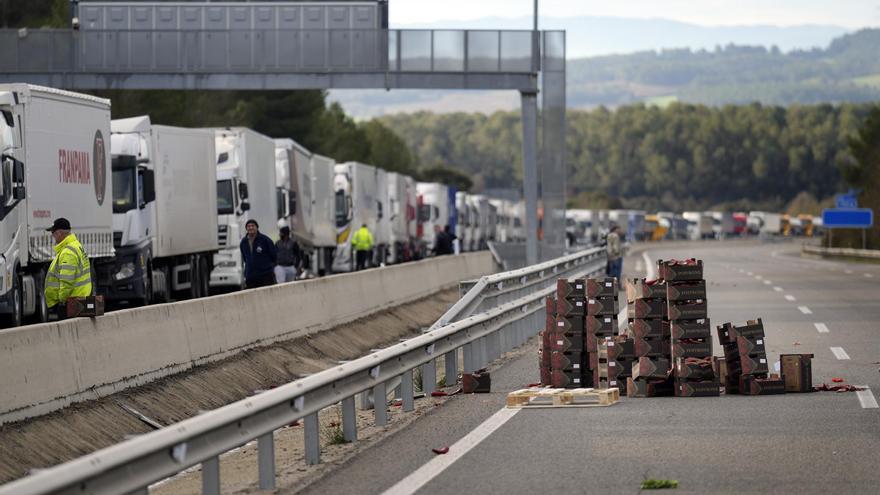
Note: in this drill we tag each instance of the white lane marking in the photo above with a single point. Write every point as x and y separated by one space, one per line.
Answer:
805 310
777 289
866 398
839 353
868 275
650 271
767 282
821 327
789 297
430 470
759 277
749 273
848 272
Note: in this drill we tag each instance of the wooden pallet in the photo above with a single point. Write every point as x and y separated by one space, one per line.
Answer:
562 397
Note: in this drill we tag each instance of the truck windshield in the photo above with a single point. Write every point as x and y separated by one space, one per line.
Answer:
341 209
124 183
424 213
225 197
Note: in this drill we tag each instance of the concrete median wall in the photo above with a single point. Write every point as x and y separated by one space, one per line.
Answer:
49 366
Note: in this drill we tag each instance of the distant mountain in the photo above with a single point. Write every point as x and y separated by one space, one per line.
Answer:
592 36
846 70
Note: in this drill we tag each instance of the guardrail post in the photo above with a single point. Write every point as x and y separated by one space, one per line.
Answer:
493 341
406 389
469 352
429 376
451 365
380 404
349 420
211 476
312 439
266 461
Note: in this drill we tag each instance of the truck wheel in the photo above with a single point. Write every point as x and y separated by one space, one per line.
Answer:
14 319
204 277
195 277
42 313
148 286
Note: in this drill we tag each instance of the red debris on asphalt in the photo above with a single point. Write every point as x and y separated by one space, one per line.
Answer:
837 388
837 380
439 393
533 385
441 450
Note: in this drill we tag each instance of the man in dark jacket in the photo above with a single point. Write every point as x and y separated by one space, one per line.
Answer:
288 257
442 241
259 257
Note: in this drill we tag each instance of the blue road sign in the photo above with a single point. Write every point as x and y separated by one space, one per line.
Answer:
847 201
851 218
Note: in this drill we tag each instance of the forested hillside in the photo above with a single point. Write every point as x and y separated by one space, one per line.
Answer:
682 156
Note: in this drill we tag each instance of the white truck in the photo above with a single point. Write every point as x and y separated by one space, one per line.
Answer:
401 217
465 226
54 162
433 210
483 221
723 225
766 223
246 189
357 204
311 204
699 225
382 236
164 213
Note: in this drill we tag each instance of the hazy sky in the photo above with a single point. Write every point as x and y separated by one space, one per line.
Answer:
845 13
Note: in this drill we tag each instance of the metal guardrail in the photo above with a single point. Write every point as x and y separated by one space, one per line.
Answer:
855 253
511 308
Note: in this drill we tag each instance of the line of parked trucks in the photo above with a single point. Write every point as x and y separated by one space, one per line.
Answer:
590 226
161 210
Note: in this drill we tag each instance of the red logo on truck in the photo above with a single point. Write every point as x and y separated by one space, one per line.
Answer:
100 165
74 167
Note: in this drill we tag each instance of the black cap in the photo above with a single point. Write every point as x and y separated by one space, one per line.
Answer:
59 224
285 230
252 221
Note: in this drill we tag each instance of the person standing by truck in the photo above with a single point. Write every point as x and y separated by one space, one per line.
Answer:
362 242
259 257
70 273
288 257
615 253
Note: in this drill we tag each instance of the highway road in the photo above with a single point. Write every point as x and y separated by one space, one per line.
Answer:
807 443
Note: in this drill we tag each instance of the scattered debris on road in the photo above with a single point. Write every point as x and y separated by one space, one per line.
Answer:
659 484
441 450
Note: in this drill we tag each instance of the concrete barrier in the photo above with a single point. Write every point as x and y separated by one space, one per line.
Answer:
49 366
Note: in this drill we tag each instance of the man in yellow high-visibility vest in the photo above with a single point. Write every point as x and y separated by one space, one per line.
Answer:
362 243
70 274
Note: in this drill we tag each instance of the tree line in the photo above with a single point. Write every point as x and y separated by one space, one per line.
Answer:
679 157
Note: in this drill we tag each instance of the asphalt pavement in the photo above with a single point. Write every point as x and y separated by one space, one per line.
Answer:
807 443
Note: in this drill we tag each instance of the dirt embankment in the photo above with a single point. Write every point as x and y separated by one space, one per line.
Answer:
86 427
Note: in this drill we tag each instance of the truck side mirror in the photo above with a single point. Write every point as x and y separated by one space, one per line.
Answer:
245 206
149 186
242 191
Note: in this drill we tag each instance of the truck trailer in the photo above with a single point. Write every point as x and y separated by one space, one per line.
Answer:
55 163
246 189
164 212
357 204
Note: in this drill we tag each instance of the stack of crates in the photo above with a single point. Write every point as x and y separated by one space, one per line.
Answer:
647 311
689 328
745 356
545 354
566 340
601 326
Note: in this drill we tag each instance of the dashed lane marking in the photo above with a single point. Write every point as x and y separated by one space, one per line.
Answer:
789 297
433 468
805 310
848 272
749 274
866 398
868 275
778 289
839 353
758 277
767 282
821 327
